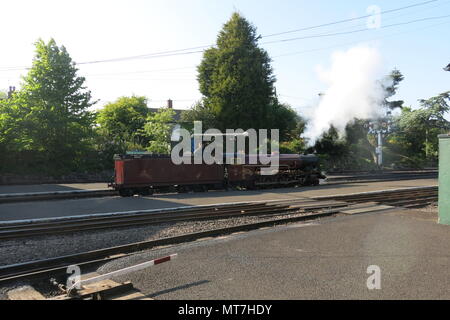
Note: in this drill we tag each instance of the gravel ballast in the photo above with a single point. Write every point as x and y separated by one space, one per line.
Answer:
42 247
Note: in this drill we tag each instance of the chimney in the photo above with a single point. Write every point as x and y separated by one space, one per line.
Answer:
11 91
169 104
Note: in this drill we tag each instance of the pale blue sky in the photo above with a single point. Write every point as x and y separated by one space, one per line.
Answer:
98 30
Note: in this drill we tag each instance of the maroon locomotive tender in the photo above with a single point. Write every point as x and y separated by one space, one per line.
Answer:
146 173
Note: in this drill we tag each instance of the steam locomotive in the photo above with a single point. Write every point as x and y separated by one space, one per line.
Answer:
144 174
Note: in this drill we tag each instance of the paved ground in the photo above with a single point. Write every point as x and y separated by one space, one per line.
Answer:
51 187
6 189
40 209
322 260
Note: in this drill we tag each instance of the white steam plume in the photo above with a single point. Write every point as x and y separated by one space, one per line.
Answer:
354 91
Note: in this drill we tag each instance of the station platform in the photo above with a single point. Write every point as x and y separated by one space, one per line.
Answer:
111 204
327 259
8 189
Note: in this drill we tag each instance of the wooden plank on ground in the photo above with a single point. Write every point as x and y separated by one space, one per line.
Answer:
104 285
25 293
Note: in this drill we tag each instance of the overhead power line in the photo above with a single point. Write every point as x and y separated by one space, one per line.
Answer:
318 36
355 31
145 56
187 51
181 51
347 20
358 41
142 71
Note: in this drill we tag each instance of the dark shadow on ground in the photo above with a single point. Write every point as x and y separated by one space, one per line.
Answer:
87 206
185 286
6 189
222 193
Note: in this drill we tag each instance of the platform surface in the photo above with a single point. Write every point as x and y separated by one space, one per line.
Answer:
7 189
327 259
70 207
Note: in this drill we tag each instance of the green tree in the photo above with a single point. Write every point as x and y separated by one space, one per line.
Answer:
12 139
199 112
52 111
158 129
236 78
122 120
418 130
284 118
333 150
390 87
120 125
361 145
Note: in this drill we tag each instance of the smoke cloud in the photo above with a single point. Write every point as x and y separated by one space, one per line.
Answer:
354 91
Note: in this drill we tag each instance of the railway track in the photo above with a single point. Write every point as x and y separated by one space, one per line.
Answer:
382 176
379 178
38 227
408 198
79 194
57 266
311 209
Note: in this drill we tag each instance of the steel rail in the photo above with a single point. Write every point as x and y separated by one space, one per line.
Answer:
58 265
388 198
379 194
59 227
89 223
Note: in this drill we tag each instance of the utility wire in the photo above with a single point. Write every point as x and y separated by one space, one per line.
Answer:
182 51
355 31
304 51
347 20
329 35
358 41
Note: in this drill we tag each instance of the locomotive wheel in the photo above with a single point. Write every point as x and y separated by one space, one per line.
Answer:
200 188
126 192
145 192
251 186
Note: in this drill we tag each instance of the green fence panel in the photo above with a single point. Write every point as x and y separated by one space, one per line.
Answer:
444 179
